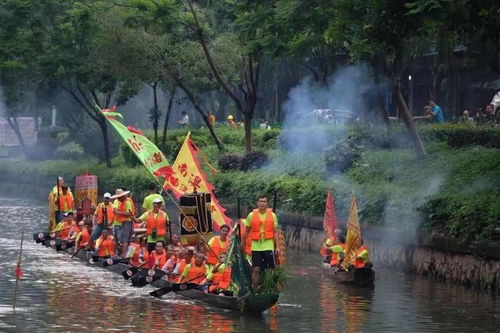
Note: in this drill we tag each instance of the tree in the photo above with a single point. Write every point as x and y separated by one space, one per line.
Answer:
65 44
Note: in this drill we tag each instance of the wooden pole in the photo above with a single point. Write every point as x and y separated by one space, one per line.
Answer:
17 276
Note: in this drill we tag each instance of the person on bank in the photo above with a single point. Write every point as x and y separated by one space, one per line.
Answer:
61 198
261 226
147 204
123 210
217 245
155 221
103 217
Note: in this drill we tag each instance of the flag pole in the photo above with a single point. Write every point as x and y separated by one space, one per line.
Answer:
19 273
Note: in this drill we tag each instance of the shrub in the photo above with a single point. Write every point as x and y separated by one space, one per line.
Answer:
460 135
70 151
229 162
254 160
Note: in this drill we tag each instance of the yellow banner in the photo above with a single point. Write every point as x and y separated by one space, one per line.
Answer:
353 239
189 177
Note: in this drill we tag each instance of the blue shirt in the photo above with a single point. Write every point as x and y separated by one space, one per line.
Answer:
438 114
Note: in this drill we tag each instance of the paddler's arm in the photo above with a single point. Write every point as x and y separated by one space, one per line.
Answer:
276 233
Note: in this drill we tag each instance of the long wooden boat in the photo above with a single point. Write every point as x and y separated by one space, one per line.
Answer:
252 303
363 277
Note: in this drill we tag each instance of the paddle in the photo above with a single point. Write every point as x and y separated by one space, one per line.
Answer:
176 287
114 261
76 252
146 277
132 271
64 245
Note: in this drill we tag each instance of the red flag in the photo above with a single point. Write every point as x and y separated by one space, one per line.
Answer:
330 218
135 130
19 272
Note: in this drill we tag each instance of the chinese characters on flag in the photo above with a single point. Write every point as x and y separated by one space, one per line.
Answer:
189 177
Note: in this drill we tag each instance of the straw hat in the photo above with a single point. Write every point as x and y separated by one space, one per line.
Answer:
119 193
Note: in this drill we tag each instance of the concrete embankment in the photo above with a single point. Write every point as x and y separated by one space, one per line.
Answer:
432 255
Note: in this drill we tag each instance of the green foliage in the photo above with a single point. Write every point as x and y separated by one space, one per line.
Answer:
462 134
70 151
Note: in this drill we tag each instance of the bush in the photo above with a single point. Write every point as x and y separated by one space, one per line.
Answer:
70 151
254 160
460 135
129 156
229 162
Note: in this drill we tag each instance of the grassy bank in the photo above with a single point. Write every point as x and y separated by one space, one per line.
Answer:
454 190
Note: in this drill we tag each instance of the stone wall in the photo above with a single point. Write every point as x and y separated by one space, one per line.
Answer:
433 255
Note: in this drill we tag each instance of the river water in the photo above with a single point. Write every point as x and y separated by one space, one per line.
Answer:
59 294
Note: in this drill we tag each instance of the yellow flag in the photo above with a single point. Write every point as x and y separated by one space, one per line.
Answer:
353 241
189 177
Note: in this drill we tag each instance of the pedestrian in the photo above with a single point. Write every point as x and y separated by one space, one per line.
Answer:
436 111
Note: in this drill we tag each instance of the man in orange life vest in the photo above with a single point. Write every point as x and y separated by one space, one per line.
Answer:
218 245
83 237
155 221
105 245
261 226
195 272
220 276
123 209
62 198
362 256
103 217
157 257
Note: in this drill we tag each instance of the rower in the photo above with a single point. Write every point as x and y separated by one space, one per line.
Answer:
157 257
134 251
217 245
172 254
185 257
338 251
220 276
103 216
195 272
123 210
147 204
362 256
262 227
83 237
105 245
63 228
62 199
155 221
175 240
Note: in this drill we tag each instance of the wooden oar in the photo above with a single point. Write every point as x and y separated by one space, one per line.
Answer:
146 277
132 271
76 252
177 287
114 261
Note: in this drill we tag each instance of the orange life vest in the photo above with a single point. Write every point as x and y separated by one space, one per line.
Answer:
109 213
335 261
218 248
221 280
160 223
122 207
359 262
106 246
66 202
132 204
248 244
153 257
84 238
256 223
196 274
134 260
65 229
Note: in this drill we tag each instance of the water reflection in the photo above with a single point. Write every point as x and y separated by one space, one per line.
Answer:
63 294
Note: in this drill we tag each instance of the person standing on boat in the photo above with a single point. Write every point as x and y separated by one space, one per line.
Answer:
338 251
105 245
155 221
195 272
262 228
103 217
62 199
147 204
217 245
362 256
122 226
